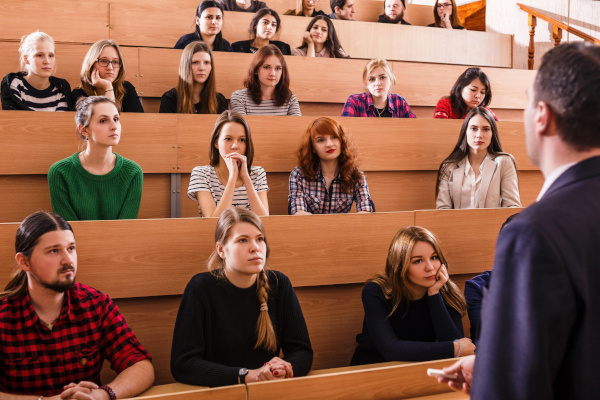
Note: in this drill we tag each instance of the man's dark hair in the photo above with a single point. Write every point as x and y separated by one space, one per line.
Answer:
337 3
403 4
568 80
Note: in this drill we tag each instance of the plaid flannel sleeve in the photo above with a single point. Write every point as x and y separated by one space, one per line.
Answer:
362 196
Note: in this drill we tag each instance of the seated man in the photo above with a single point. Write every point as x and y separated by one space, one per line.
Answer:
55 333
342 9
393 12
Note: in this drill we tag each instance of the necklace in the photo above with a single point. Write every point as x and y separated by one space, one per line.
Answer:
379 113
51 324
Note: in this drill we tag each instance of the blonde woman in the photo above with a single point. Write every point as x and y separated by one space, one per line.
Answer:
377 101
103 74
34 88
305 8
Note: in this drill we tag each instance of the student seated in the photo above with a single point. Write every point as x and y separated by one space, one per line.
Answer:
230 180
393 12
56 333
445 15
342 9
196 91
412 310
320 40
377 101
34 88
103 74
478 174
327 179
471 89
267 85
263 28
236 319
243 5
305 8
209 22
96 184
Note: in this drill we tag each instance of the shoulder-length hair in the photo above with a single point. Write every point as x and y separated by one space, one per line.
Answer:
28 235
461 149
309 162
226 117
218 44
266 338
332 43
282 90
455 19
260 14
456 100
394 282
88 65
185 83
378 62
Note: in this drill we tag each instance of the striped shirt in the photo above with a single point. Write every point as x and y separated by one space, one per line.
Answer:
204 179
49 99
242 103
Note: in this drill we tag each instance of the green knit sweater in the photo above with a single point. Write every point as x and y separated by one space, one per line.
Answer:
78 195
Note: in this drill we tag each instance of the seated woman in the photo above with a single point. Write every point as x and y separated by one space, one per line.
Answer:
471 89
196 91
477 174
209 22
378 79
243 5
263 27
267 89
34 88
327 179
305 8
96 183
103 74
445 15
230 180
320 40
413 310
234 320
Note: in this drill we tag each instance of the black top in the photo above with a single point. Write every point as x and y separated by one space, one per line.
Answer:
454 27
11 102
231 5
424 332
383 113
382 20
215 330
168 103
192 37
245 46
314 14
130 103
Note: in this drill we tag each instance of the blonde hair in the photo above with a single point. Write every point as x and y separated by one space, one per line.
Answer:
378 62
29 44
265 333
298 10
88 65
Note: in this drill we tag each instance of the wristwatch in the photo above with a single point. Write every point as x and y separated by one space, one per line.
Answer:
242 375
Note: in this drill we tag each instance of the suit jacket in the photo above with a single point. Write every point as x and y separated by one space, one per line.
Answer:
499 184
540 335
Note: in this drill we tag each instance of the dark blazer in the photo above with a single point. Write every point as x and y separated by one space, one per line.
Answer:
541 317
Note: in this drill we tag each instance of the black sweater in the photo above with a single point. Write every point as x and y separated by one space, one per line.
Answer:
168 103
215 331
131 101
11 102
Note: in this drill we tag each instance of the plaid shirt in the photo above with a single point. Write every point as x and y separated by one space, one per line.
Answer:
444 110
361 105
312 195
37 361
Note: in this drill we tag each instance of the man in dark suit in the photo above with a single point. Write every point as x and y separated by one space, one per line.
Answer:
540 334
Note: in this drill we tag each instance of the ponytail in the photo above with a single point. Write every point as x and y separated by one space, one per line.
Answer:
264 327
16 286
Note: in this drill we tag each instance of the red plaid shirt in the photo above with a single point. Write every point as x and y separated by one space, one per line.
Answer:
37 361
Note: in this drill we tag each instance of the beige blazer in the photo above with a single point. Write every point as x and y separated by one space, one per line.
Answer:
499 184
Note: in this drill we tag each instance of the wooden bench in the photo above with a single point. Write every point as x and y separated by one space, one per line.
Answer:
326 257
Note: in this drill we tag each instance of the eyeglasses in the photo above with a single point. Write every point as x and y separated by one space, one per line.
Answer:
444 5
116 64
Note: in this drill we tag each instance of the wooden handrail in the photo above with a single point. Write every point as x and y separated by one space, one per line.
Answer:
557 28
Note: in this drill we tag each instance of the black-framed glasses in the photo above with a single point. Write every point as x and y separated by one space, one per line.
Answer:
444 5
116 64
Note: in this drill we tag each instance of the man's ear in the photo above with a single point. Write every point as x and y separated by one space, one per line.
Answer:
544 118
22 261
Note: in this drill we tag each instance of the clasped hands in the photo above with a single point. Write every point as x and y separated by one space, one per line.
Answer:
274 369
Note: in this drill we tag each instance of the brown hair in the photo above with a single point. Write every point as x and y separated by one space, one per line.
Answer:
393 282
185 83
438 21
88 65
84 109
226 117
309 161
265 333
282 90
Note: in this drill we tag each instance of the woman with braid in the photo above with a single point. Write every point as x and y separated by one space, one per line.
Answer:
235 319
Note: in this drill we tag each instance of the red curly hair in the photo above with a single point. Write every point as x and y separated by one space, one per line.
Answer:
309 161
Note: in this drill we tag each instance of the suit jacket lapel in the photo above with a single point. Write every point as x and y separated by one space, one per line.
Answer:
489 168
457 180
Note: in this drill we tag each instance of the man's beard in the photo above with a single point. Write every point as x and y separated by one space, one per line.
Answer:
58 286
389 20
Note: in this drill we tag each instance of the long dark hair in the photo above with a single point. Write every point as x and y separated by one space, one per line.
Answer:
332 43
226 117
218 44
282 90
456 100
28 235
461 149
260 15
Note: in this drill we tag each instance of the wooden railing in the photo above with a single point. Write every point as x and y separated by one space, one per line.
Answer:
557 28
